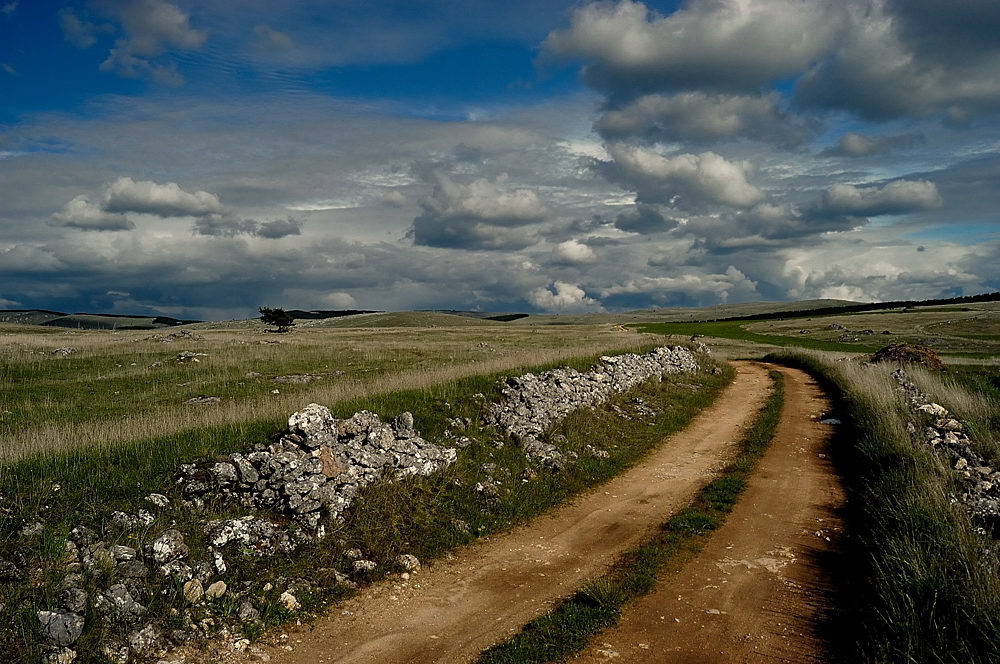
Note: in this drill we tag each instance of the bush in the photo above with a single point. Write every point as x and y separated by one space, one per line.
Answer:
908 354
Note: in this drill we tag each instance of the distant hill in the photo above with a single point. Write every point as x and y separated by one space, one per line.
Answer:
83 321
374 318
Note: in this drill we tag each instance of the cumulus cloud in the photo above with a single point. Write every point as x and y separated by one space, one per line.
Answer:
163 200
81 213
721 45
910 59
701 116
573 252
150 26
896 197
563 297
888 271
483 214
686 180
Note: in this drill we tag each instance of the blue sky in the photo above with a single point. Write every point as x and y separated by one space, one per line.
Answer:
201 159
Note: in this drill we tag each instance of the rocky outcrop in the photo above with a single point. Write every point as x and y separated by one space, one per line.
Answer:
980 483
532 403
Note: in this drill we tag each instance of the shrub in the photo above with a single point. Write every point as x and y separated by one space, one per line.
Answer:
905 353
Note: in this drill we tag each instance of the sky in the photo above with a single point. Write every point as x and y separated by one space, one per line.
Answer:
203 158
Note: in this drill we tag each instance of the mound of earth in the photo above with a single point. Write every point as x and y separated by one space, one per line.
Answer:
905 353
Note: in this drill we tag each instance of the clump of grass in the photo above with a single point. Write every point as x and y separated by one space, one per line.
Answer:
927 587
565 630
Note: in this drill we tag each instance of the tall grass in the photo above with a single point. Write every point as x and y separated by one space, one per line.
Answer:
928 586
124 386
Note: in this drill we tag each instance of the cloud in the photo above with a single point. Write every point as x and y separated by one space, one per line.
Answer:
81 213
853 144
150 26
891 270
644 219
563 297
910 59
269 39
230 226
688 181
701 116
394 199
573 252
693 285
721 45
483 214
896 197
77 31
163 200
278 228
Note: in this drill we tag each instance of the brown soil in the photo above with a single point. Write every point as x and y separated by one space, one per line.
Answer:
452 610
757 591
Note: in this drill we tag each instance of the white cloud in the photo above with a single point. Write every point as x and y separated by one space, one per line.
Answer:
693 284
563 297
573 252
81 213
685 180
396 199
163 200
718 44
883 272
896 197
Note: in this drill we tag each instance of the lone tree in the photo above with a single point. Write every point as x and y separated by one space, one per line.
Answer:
277 317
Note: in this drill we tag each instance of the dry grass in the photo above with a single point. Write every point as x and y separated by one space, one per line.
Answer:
109 390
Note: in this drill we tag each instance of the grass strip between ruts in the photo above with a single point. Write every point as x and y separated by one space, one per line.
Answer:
598 605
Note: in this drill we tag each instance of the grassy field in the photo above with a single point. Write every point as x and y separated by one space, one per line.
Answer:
93 421
95 429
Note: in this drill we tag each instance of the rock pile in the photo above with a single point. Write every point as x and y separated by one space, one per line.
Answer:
531 403
320 463
980 493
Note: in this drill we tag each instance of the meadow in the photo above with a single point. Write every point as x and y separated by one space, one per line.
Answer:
94 429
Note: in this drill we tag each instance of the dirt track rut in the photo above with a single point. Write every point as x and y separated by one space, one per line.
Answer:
760 588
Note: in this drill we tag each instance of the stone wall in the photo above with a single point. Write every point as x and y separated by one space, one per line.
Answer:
980 483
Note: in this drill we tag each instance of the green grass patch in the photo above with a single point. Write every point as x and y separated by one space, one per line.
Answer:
737 330
598 605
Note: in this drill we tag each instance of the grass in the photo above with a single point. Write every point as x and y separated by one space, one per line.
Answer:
928 586
123 386
82 484
567 629
971 331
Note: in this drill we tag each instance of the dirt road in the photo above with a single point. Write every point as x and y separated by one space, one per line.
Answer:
453 610
756 592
